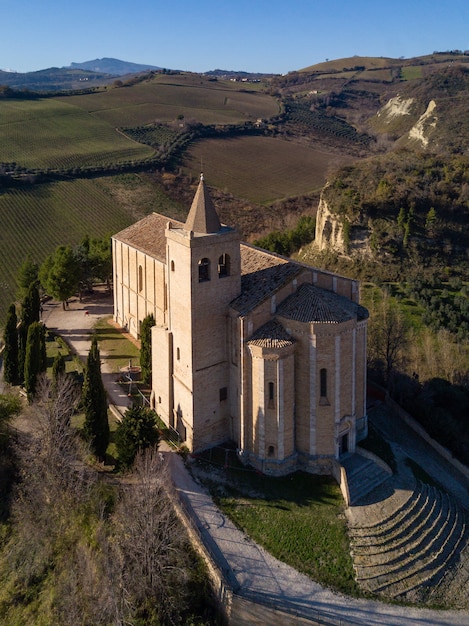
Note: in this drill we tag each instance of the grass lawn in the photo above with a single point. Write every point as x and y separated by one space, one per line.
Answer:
299 519
119 350
55 345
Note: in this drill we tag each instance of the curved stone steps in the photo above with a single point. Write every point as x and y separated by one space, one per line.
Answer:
454 584
364 536
432 572
407 563
410 533
412 547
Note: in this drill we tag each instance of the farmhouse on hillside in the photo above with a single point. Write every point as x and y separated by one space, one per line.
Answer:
248 346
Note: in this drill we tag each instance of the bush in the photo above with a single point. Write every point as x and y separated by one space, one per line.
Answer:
136 431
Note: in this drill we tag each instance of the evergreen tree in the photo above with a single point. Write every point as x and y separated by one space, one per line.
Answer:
10 354
27 274
60 273
30 312
135 432
58 367
96 427
145 351
34 361
58 372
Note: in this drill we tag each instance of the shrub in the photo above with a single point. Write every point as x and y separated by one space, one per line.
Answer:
136 431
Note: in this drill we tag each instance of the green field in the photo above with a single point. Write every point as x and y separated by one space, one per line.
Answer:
262 169
37 219
48 134
165 98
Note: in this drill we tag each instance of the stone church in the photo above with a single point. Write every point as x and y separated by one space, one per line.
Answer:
248 346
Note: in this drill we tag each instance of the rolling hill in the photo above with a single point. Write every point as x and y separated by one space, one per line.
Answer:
268 146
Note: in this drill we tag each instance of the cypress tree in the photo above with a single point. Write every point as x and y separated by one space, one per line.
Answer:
58 367
96 426
145 350
10 355
30 312
34 359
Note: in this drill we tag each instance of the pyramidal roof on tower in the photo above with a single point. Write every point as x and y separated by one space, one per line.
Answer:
203 216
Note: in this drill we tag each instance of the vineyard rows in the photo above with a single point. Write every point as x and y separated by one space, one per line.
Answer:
302 115
59 136
36 220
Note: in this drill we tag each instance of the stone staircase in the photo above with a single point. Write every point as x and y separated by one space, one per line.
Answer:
413 551
363 476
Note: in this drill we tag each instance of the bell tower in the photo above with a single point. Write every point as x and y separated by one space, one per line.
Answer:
203 277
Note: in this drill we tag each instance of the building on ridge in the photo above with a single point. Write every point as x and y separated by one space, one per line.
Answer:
248 346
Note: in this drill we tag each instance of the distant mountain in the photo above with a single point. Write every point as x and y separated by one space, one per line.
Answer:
55 79
113 66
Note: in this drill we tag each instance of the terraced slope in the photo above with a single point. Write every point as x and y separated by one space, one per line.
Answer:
417 550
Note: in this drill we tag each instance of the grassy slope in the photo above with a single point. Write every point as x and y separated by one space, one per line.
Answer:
298 519
164 98
337 65
52 134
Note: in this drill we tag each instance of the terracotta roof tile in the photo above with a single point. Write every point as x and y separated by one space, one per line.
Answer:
271 335
313 304
262 273
148 235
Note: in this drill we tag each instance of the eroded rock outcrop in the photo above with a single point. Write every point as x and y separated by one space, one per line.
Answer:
329 229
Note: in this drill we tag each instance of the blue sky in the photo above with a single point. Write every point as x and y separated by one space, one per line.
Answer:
250 35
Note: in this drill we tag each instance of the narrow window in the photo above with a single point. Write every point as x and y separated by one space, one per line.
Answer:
323 382
178 354
140 278
271 451
271 391
223 393
172 266
224 265
204 270
271 403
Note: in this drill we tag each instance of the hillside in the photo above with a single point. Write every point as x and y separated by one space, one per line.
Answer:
358 91
268 147
398 214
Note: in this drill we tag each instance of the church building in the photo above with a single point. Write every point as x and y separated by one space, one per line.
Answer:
248 347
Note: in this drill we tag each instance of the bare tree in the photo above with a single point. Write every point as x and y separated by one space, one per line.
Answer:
150 541
387 338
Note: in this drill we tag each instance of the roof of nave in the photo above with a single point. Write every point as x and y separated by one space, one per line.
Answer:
148 235
313 304
271 335
262 273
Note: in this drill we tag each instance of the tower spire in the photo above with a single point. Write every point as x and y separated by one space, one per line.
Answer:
202 217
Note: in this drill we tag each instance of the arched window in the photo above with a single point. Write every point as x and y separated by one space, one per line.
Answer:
140 278
271 451
323 382
204 270
178 354
224 265
172 266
